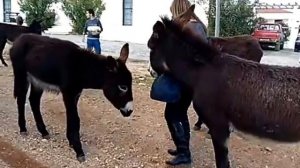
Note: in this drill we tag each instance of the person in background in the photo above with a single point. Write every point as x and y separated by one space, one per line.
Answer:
92 28
19 20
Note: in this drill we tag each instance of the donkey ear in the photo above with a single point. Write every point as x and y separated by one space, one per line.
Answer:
111 64
189 12
124 53
192 8
158 27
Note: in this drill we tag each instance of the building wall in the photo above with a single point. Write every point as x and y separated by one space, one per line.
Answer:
14 8
145 14
294 23
1 11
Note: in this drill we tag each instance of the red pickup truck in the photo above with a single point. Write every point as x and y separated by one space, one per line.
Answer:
270 34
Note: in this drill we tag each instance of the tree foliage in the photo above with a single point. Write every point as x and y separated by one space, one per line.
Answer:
75 10
236 18
38 10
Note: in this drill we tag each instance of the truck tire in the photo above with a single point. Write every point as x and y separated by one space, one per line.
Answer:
277 46
282 46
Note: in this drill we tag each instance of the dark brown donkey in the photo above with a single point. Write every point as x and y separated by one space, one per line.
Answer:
50 64
259 99
245 47
9 32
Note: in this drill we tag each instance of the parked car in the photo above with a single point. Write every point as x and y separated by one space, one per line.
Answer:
297 44
270 34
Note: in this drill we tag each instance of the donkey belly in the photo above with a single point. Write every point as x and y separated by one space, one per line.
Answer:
41 84
44 73
262 123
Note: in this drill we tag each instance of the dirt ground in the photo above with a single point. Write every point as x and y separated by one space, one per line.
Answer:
111 141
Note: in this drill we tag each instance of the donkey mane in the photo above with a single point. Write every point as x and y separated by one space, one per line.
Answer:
201 49
89 53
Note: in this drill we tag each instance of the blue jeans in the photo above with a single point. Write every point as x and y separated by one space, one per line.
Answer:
94 43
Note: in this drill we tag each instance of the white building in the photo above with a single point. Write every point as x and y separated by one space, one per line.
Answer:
8 6
122 20
127 20
132 20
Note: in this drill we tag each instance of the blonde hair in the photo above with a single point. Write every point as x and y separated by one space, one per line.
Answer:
178 7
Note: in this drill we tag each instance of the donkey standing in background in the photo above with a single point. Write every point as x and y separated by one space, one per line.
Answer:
9 32
61 66
259 99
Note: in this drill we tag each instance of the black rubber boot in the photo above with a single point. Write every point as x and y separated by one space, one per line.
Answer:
183 157
173 152
172 130
183 152
186 128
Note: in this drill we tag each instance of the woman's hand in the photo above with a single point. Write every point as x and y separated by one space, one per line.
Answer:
152 72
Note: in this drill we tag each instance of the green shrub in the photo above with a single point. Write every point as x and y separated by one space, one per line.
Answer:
236 17
75 10
38 10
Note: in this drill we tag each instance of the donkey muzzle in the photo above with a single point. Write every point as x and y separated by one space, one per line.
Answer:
127 110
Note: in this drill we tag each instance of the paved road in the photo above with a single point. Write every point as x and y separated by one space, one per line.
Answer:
137 51
141 52
283 57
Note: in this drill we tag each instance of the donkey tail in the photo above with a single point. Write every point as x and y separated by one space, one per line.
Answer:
17 54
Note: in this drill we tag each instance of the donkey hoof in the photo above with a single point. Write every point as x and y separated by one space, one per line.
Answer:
81 159
25 133
47 137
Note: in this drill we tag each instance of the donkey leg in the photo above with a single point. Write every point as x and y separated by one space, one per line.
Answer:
73 123
35 101
220 135
21 99
2 45
198 124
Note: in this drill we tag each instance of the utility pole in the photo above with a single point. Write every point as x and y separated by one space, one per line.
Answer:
217 20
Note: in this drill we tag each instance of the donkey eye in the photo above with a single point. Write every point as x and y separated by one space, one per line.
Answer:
123 88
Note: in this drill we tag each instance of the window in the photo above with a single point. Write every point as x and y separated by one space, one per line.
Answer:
6 9
127 12
268 27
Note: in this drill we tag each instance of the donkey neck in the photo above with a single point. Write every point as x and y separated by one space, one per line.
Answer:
186 67
94 70
181 70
